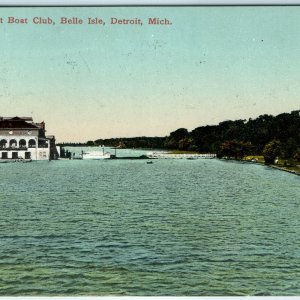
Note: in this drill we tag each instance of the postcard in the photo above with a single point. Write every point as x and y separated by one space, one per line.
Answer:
149 151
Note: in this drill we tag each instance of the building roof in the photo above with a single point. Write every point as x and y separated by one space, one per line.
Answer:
22 118
16 123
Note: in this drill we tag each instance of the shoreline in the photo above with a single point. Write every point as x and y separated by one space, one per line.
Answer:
280 168
285 170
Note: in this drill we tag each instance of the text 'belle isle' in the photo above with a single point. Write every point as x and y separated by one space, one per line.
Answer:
88 21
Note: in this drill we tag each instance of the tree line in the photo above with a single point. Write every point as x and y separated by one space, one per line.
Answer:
266 135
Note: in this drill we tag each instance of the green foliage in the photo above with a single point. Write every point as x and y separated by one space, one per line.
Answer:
178 139
271 151
90 143
258 132
135 142
234 149
297 155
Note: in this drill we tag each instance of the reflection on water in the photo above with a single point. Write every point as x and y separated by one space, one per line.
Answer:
124 227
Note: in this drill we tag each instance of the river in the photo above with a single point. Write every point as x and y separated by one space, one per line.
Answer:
124 227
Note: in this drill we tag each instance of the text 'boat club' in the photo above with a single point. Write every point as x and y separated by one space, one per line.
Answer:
89 21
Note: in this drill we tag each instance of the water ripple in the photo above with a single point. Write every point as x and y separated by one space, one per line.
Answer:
194 228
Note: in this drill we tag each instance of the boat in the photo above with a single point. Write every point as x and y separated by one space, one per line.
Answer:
96 154
9 160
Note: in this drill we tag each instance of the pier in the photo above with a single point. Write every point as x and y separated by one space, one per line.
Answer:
167 155
158 155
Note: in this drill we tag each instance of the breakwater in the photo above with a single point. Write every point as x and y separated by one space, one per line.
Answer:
168 155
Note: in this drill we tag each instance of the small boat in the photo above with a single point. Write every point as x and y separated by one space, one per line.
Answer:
9 160
149 162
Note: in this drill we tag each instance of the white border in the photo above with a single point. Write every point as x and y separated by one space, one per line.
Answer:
143 2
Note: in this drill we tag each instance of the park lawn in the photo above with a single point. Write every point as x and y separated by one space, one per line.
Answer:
183 152
259 158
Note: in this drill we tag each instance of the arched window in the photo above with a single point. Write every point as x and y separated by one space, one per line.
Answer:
31 143
22 143
3 143
13 143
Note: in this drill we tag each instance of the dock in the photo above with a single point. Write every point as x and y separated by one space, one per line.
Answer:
167 155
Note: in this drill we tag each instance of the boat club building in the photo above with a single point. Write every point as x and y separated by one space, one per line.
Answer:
21 138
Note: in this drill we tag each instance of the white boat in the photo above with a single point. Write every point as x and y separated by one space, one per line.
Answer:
96 154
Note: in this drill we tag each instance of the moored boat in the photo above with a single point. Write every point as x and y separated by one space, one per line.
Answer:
96 154
9 160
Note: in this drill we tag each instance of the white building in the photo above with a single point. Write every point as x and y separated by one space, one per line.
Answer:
21 138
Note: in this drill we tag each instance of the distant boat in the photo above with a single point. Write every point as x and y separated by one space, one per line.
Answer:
96 154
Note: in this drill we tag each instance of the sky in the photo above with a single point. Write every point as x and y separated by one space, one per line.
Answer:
115 80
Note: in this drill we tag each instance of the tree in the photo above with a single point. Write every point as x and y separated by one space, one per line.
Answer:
271 151
175 137
90 143
297 155
289 148
234 149
184 144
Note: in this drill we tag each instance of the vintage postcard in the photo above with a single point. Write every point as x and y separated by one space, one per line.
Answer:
149 151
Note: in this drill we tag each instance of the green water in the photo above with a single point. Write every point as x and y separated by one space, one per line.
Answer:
175 227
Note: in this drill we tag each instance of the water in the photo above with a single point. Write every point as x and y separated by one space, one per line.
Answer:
124 227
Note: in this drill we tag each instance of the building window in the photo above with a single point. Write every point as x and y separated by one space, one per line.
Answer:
31 143
43 155
22 143
14 155
13 143
3 144
4 155
42 144
27 155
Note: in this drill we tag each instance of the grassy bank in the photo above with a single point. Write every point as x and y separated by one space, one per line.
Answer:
183 152
287 165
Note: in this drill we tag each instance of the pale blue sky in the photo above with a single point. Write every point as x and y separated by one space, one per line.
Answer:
93 81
